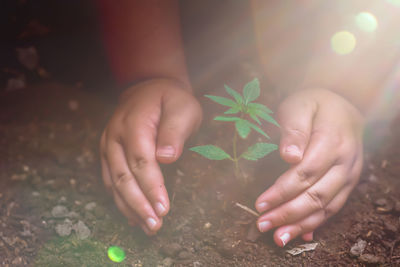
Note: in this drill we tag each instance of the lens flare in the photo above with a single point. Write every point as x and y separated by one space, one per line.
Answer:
366 22
343 42
116 254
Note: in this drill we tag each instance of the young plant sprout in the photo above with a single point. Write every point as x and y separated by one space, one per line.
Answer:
246 111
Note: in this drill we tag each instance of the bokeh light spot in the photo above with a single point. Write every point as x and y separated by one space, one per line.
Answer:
366 22
116 254
343 42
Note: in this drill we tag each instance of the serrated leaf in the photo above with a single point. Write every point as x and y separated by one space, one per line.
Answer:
259 151
257 129
233 110
251 91
234 94
211 152
243 128
259 106
223 118
222 100
265 116
254 117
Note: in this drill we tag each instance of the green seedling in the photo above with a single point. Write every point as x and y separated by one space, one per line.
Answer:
245 111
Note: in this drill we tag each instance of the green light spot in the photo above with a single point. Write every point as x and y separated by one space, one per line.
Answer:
366 22
116 254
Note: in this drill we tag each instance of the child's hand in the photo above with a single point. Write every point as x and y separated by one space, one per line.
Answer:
149 127
322 139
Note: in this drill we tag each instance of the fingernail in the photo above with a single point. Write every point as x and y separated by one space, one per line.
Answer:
160 208
151 223
285 238
262 206
264 226
294 150
166 152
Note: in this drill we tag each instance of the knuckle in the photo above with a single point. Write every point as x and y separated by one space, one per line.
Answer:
139 163
122 179
306 175
316 199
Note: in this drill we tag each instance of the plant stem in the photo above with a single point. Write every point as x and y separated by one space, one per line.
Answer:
235 159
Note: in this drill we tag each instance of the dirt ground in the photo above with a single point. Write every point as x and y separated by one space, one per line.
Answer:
49 158
54 210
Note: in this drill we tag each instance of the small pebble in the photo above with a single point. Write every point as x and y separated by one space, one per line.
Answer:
171 249
197 264
167 262
81 230
370 259
90 206
59 211
358 248
64 229
207 225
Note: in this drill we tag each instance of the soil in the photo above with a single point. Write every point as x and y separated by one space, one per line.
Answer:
49 158
54 210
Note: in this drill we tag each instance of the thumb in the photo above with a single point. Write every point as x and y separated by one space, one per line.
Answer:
178 121
296 118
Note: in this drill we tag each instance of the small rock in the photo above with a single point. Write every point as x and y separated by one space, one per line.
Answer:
81 230
184 255
167 262
72 214
62 199
35 193
171 250
381 202
207 225
226 247
64 229
390 227
59 211
358 248
371 259
179 172
197 264
372 178
17 261
90 206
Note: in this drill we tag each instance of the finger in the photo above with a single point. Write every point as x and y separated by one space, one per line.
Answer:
308 236
127 187
289 232
140 154
313 199
105 171
320 156
178 120
296 118
125 210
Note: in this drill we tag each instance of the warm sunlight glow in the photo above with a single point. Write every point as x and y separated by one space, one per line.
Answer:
394 2
343 42
366 22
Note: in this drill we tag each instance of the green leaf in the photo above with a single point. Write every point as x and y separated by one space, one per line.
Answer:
251 91
211 152
257 129
234 94
222 100
243 128
258 151
255 106
233 110
254 117
265 116
223 118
